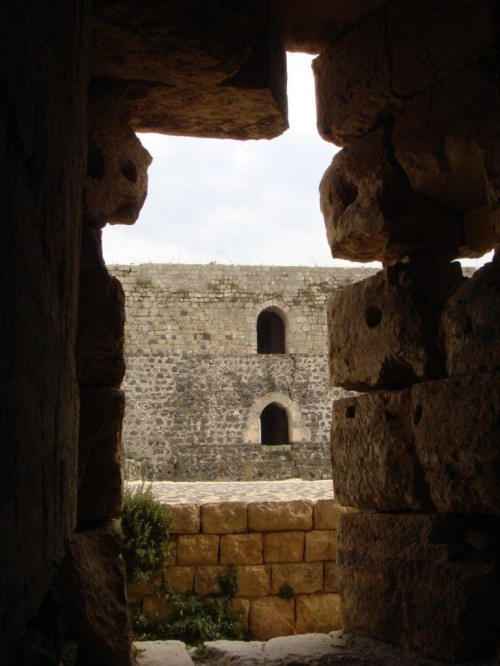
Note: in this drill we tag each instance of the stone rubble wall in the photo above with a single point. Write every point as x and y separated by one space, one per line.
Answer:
194 381
272 546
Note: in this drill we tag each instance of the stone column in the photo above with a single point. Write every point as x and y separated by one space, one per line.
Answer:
412 94
93 585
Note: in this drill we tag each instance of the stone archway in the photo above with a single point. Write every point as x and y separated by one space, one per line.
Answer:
298 431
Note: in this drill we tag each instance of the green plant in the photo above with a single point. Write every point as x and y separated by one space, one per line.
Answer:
286 591
289 456
146 531
191 618
144 283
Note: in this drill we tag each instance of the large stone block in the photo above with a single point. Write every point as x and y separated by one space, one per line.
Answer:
383 331
91 585
101 318
432 446
303 577
284 547
180 579
373 453
321 545
272 616
116 184
327 514
424 581
224 517
100 455
206 579
185 518
197 549
225 63
318 613
241 609
457 433
280 516
241 549
371 70
254 581
470 323
372 212
331 581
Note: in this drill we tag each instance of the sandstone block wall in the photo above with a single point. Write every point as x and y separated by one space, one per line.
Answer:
195 385
284 554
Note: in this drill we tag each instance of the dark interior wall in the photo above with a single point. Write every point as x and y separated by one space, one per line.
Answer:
44 53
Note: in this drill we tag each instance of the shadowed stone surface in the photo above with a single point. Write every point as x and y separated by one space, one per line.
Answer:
372 212
399 573
471 323
100 477
92 586
101 318
383 330
225 62
432 446
162 653
116 184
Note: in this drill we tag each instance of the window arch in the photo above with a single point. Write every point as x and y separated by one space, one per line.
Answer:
274 427
270 333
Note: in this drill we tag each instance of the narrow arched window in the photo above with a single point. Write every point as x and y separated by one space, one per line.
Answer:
270 333
274 425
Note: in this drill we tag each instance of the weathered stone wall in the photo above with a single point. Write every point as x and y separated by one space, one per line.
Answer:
44 69
411 92
195 385
283 553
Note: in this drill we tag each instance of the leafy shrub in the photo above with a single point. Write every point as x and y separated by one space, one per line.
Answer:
193 619
146 531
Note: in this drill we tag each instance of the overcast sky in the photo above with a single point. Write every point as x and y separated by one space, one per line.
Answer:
246 202
241 202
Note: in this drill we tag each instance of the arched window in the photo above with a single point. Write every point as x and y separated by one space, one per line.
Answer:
270 333
274 425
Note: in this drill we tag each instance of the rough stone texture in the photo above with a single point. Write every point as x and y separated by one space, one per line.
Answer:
224 517
181 579
241 549
207 579
372 212
327 514
185 518
196 386
383 331
331 581
254 581
226 63
373 453
309 26
470 324
282 572
284 547
272 616
197 549
44 73
101 318
370 71
241 609
91 584
429 567
117 183
100 456
280 516
304 578
162 653
432 446
318 650
320 546
318 613
456 439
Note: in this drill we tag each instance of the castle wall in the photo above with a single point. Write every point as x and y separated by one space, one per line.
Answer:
195 385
